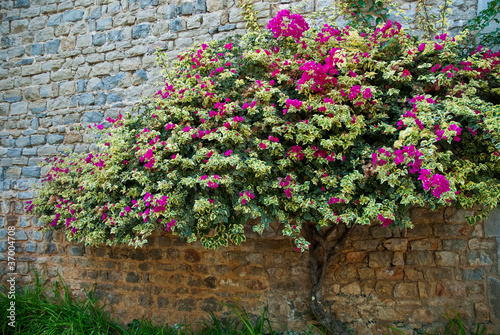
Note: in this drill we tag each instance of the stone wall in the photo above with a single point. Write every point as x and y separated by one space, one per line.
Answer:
384 277
80 61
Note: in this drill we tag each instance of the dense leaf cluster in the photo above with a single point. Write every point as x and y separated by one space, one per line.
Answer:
323 125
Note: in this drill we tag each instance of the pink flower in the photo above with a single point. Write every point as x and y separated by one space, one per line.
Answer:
367 94
228 46
405 73
228 153
385 221
288 192
286 24
203 177
355 90
438 47
211 201
421 47
186 129
210 153
262 145
212 184
333 201
243 201
245 105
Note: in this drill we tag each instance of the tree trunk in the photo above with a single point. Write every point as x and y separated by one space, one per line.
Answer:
322 252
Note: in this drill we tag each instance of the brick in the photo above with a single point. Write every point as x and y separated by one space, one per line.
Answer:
380 259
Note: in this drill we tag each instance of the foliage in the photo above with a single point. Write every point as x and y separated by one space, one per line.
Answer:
36 313
481 22
304 125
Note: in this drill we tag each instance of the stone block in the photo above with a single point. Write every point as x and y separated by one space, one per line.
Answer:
380 259
76 250
446 258
102 69
137 50
83 41
226 27
200 6
22 4
54 20
47 150
115 35
170 12
141 31
104 24
22 142
13 153
30 247
95 14
40 79
86 99
420 258
80 86
100 99
452 244
19 108
473 274
130 64
113 98
396 244
475 258
185 8
99 39
406 290
176 25
30 151
37 140
55 138
492 224
92 117
67 88
72 15
494 297
13 173
111 82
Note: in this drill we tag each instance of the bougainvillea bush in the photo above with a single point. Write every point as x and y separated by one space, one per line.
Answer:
301 124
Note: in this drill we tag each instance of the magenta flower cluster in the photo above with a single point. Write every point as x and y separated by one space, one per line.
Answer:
286 24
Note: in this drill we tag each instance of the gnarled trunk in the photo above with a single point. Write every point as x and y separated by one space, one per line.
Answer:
326 247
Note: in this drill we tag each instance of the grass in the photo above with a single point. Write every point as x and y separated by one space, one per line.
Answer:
37 313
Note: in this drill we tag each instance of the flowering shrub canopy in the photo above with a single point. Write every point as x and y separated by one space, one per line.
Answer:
298 124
